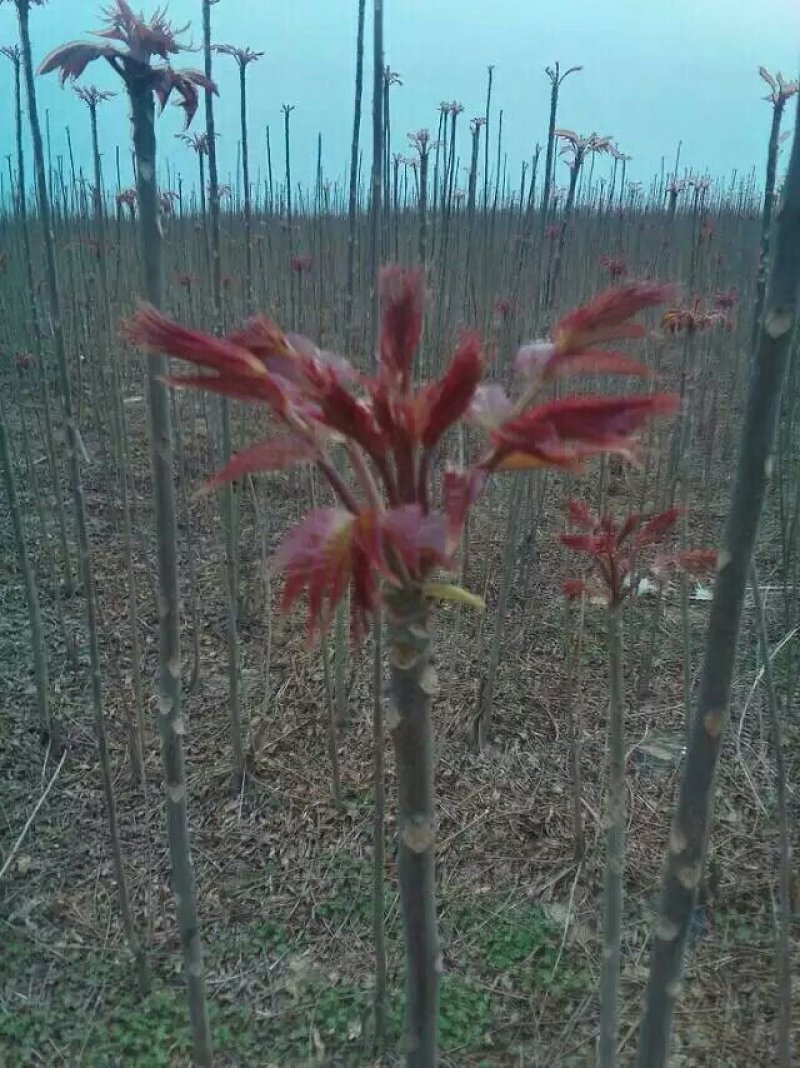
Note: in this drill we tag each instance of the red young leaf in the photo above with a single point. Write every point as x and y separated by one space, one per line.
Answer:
695 562
602 422
448 399
420 540
582 515
698 562
567 457
71 60
584 543
276 454
239 373
402 295
318 556
606 317
332 548
574 587
657 527
460 491
341 410
543 360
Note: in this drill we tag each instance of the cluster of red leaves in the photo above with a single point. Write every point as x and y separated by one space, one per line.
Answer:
726 299
779 89
126 198
383 527
167 200
300 264
615 265
694 318
617 563
128 43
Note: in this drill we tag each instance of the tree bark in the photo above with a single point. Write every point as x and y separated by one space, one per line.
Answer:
615 849
172 725
34 611
685 855
784 946
84 552
413 684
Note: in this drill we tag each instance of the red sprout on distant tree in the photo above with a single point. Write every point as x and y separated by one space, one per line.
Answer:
779 89
300 264
726 299
576 147
24 361
198 142
92 96
129 44
691 318
615 265
167 200
126 198
503 308
243 56
620 554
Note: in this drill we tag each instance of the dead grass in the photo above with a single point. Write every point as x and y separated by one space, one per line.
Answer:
284 879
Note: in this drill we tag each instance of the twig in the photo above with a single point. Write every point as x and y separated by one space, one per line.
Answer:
15 848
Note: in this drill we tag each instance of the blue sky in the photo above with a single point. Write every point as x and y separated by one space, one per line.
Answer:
656 72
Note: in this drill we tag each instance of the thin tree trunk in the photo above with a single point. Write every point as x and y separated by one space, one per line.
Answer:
615 850
172 725
36 334
73 445
34 610
378 731
228 500
484 711
552 287
550 153
352 204
378 835
685 855
766 219
784 949
248 212
135 723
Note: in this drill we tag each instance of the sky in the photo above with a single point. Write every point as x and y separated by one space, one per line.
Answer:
655 73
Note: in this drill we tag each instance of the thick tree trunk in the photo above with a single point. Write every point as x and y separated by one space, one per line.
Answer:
413 684
690 825
172 725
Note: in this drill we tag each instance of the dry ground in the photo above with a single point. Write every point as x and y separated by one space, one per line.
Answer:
285 879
